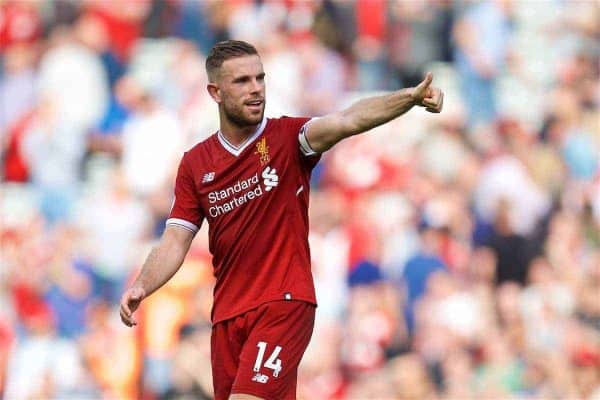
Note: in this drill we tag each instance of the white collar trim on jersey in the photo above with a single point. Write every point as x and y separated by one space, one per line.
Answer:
236 151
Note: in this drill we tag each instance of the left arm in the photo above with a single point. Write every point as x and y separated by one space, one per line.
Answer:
323 133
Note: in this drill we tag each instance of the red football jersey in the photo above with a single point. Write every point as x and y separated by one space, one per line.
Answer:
255 199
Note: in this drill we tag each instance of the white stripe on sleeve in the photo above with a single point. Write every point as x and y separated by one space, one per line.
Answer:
183 223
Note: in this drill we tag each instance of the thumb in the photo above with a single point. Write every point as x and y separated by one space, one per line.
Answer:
422 87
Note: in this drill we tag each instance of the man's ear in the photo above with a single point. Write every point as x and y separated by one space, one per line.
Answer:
214 91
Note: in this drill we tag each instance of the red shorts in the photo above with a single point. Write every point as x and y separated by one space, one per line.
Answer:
258 352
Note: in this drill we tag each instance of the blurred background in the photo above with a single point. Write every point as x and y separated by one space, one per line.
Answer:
456 256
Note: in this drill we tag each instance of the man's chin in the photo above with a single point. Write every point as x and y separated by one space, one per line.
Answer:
246 118
255 119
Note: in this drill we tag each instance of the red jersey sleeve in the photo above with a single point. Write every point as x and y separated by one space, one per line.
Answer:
186 211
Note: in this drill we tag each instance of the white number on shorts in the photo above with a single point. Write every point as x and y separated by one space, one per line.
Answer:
272 362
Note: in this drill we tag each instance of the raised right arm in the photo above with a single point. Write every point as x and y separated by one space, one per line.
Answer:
324 132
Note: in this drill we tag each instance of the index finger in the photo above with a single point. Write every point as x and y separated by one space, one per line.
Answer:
125 306
127 320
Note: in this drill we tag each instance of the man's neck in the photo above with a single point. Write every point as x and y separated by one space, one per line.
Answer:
235 134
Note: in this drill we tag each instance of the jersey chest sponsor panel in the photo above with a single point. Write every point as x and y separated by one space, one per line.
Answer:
255 202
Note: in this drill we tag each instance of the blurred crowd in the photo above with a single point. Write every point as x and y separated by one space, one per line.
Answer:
456 256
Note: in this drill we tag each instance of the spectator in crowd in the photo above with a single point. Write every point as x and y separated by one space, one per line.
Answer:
17 89
152 140
482 37
45 365
110 249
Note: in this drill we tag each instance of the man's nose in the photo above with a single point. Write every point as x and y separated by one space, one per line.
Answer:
256 86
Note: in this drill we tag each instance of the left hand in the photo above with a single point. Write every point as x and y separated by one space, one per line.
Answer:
425 95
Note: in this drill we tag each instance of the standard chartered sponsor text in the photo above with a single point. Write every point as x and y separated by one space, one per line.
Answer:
240 186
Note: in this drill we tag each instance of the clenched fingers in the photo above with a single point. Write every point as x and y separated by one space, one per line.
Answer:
126 311
435 102
433 97
126 316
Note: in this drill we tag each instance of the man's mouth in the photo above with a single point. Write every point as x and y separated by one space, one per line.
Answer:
254 103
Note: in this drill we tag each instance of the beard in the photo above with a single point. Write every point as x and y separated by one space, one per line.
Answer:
240 117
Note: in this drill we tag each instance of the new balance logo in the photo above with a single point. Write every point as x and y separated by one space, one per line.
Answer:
208 177
260 378
270 178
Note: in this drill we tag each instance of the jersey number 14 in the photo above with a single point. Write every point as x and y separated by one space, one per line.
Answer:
272 362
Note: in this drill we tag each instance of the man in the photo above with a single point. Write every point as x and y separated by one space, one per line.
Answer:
250 181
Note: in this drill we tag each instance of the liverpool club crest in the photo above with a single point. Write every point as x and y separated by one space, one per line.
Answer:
263 151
